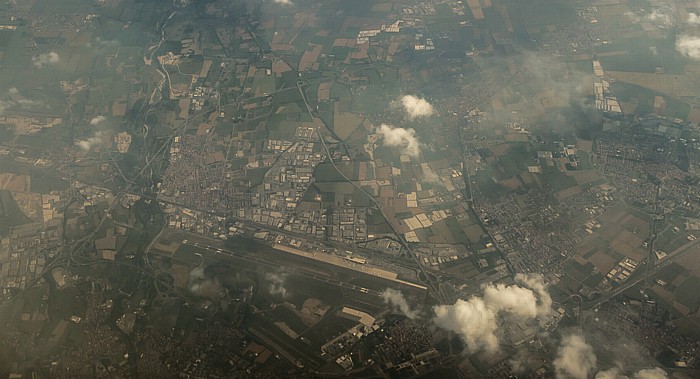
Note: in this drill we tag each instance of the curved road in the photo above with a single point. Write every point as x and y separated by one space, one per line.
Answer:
435 288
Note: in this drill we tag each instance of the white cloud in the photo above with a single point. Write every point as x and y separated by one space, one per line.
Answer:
16 100
647 373
416 107
97 120
476 319
536 283
4 105
613 373
575 359
399 137
45 59
517 300
632 16
650 373
276 286
662 16
688 46
107 42
83 144
87 144
97 140
28 104
196 274
473 320
284 2
693 18
396 298
200 284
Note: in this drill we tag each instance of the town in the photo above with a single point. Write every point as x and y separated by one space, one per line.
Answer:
472 189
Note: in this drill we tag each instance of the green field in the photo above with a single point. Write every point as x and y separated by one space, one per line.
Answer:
584 160
488 187
372 101
457 232
540 13
642 54
644 97
325 172
688 292
515 162
344 123
281 129
10 213
191 65
263 83
667 238
557 179
256 175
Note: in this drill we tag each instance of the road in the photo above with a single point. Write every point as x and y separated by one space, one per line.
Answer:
338 245
428 276
651 271
71 253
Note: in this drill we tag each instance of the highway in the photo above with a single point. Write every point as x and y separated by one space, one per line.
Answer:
338 245
670 258
435 288
71 253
